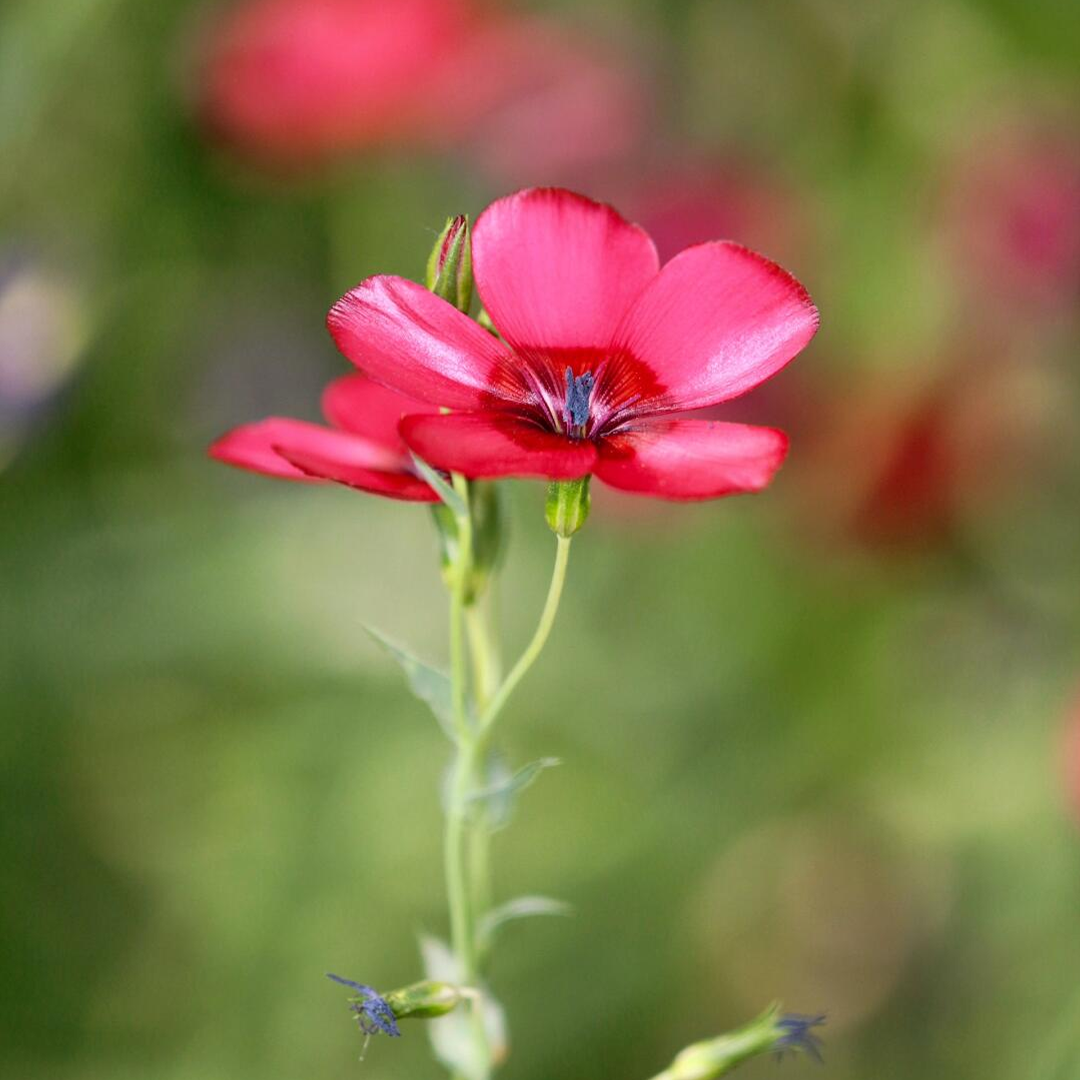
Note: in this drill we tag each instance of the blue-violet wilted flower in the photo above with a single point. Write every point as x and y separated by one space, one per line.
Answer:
373 1014
797 1035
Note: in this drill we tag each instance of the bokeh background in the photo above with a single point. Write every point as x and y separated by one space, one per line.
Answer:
820 745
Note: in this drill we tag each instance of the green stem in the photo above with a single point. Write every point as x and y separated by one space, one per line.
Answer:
486 677
466 844
458 678
458 890
484 654
539 638
457 887
456 841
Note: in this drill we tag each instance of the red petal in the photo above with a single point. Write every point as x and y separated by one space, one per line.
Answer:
255 447
557 270
496 444
691 459
718 320
393 484
358 404
409 339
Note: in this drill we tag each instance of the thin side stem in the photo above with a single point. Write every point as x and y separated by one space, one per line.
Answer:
539 638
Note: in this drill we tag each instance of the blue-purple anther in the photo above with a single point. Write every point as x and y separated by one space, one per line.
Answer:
797 1034
576 407
372 1012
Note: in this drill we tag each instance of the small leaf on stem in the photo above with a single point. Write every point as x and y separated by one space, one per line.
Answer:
429 684
500 796
445 492
521 907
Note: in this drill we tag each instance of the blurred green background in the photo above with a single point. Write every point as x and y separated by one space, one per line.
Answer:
815 742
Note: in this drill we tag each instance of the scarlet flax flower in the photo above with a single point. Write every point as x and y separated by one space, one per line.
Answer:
600 350
362 449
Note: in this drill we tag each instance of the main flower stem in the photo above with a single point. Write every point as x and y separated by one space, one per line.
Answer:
457 889
484 653
467 838
459 886
486 676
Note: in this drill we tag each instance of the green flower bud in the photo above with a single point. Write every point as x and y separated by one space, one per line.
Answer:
772 1031
567 506
423 1000
449 267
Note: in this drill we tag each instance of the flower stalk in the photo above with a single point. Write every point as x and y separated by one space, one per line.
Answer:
456 843
467 836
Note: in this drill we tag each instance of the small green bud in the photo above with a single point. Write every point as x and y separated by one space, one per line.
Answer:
449 266
772 1031
567 506
423 1000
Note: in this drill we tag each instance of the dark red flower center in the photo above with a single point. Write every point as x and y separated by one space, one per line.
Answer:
581 393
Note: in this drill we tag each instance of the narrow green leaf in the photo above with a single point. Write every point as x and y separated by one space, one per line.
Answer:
445 492
522 907
500 795
429 684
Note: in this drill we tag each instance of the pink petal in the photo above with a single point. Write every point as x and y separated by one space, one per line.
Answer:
496 444
394 485
691 459
557 270
718 320
258 447
358 404
409 339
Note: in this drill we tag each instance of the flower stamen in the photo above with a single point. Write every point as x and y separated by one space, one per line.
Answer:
576 406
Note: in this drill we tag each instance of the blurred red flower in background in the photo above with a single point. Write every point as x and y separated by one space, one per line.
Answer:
1014 209
685 203
900 464
296 79
296 83
602 349
550 102
362 448
909 471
